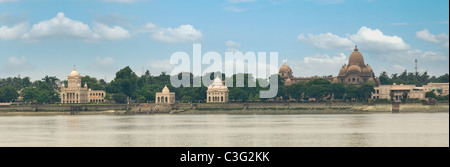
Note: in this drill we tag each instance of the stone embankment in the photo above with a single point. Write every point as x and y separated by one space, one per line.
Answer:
228 108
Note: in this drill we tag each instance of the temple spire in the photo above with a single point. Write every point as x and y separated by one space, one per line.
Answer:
74 67
356 47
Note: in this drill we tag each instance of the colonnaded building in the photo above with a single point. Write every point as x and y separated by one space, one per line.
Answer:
356 72
165 97
75 93
217 92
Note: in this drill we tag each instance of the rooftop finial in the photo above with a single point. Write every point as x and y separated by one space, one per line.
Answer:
74 67
356 47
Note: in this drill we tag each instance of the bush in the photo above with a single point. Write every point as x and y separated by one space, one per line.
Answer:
120 98
442 98
430 94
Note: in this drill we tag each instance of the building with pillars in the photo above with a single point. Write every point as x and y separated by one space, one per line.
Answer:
217 92
76 93
165 97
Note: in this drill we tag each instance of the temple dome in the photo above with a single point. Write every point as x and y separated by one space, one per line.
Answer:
354 68
285 68
288 81
343 70
366 70
335 80
218 85
356 58
74 73
165 89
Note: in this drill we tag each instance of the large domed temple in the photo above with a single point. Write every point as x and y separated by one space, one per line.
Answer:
355 72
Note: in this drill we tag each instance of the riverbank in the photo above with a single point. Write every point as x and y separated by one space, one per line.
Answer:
228 108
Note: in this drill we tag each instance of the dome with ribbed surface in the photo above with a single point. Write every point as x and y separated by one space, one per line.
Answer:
343 70
356 58
285 68
354 68
366 70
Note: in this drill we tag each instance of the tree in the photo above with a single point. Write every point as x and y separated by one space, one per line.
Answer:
384 78
338 90
430 94
296 90
30 94
125 82
8 94
237 94
317 91
93 83
120 98
365 91
351 92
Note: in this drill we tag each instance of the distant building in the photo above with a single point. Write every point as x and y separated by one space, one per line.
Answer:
217 92
355 72
75 93
399 92
440 89
165 97
289 79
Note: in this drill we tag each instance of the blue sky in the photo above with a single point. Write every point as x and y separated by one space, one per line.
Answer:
48 37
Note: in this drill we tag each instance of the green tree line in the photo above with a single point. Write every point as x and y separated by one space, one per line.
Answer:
127 85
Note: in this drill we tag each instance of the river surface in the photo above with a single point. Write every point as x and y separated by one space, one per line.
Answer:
347 130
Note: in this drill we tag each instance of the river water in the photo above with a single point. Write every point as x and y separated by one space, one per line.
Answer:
352 130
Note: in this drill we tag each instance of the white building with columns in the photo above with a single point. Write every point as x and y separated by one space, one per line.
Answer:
217 92
76 93
165 97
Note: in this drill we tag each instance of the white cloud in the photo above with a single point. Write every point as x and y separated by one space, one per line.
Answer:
319 64
375 43
372 40
158 66
399 67
375 40
102 63
111 33
14 32
234 9
101 67
232 46
184 33
239 64
427 36
61 27
16 65
327 41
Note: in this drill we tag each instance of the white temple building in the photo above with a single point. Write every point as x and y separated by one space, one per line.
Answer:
165 97
217 92
75 93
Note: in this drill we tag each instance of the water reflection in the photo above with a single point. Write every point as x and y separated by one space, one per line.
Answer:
227 130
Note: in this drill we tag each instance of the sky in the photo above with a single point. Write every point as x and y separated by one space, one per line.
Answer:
314 37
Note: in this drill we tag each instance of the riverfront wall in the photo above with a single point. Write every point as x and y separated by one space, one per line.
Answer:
230 108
